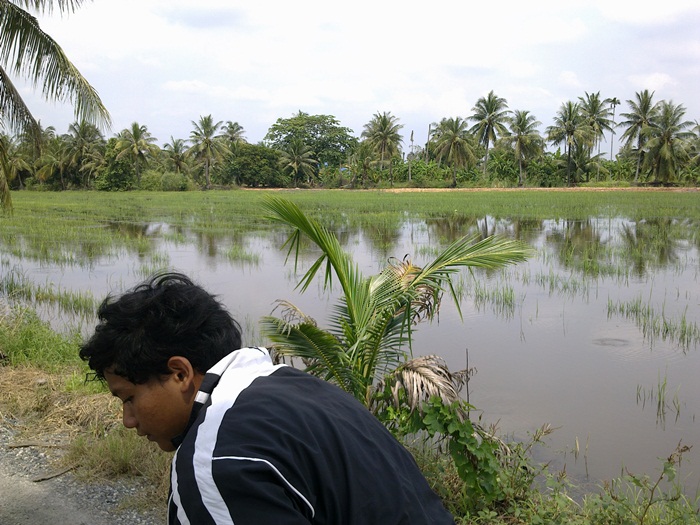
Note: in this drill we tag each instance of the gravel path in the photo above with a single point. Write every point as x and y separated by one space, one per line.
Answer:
62 499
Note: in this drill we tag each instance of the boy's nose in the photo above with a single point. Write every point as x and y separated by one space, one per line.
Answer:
128 419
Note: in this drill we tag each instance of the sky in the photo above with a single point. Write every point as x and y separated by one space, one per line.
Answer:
166 63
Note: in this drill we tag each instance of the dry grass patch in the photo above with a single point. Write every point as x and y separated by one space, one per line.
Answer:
42 404
81 425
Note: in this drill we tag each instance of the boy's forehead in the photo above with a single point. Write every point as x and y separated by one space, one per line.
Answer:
116 383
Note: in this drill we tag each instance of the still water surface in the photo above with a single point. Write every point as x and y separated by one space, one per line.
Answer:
551 338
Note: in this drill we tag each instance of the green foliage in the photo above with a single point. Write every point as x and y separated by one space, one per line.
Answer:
548 171
475 454
323 134
252 165
425 174
137 145
27 340
640 499
502 168
153 180
119 451
118 174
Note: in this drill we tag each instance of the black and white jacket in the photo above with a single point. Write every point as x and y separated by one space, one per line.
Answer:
269 444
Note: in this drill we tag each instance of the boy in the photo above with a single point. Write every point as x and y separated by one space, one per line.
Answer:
254 442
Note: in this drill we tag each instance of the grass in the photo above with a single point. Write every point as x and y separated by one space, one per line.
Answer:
14 285
26 340
657 324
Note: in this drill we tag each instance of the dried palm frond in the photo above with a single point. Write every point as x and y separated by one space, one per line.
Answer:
421 379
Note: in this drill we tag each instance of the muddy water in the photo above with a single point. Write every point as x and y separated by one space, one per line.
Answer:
562 350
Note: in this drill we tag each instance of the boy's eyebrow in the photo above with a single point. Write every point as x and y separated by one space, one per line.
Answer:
116 391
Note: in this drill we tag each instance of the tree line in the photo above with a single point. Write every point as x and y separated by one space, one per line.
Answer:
492 146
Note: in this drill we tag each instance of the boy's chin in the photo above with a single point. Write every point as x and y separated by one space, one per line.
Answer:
166 446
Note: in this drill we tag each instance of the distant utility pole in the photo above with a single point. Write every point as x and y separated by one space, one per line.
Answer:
427 143
410 155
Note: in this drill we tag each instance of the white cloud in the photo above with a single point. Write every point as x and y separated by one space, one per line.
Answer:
522 69
652 81
569 79
646 12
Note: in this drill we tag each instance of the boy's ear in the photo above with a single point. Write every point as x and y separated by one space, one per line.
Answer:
181 368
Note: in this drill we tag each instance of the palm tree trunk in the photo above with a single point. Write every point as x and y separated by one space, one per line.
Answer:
5 195
520 175
486 159
639 160
612 134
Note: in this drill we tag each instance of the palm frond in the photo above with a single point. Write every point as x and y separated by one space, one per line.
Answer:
47 6
321 352
336 258
31 53
490 253
14 111
5 197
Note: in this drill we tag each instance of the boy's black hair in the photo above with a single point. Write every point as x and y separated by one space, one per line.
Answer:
167 315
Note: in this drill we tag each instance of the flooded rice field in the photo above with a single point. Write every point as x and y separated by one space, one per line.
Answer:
597 335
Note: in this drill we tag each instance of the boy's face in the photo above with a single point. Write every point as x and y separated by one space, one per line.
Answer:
158 409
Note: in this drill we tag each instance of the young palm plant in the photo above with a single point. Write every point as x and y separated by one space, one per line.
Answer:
367 349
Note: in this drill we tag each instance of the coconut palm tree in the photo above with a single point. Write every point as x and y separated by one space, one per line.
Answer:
525 139
86 146
137 144
176 155
668 141
368 345
233 132
641 116
595 114
570 129
207 147
382 132
695 151
361 161
454 144
55 160
298 160
490 115
27 51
